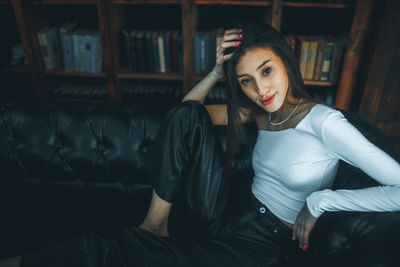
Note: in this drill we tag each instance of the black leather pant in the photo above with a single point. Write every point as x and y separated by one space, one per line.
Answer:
186 166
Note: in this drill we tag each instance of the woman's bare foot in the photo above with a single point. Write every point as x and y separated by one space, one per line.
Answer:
156 220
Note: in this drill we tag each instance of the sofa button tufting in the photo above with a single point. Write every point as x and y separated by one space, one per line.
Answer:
262 210
58 145
102 147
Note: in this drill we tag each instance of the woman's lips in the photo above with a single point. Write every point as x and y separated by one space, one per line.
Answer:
268 100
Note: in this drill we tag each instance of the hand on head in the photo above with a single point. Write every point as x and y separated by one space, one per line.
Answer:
231 38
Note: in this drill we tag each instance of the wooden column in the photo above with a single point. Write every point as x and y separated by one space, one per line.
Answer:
28 26
275 14
189 18
105 28
381 98
353 52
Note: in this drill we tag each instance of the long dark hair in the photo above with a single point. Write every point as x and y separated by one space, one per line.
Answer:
255 36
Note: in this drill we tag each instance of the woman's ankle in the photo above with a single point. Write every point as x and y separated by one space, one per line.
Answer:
157 229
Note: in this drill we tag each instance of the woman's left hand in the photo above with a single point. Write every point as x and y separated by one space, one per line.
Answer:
302 227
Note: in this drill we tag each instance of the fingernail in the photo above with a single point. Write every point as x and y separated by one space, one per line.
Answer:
293 238
239 42
240 30
305 247
301 246
241 35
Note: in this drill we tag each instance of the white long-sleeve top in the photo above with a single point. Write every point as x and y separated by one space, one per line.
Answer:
299 165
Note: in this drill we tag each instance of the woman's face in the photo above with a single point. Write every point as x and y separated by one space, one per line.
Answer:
262 76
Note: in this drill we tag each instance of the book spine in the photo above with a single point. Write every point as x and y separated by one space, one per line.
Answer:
81 60
336 60
303 57
319 60
149 52
156 54
99 53
167 52
312 52
93 58
140 51
43 51
180 53
132 49
203 54
161 54
327 60
174 51
88 50
127 46
196 51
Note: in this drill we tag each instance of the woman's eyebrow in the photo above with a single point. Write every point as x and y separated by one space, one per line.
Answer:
262 64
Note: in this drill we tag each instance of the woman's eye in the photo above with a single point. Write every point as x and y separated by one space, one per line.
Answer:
266 71
245 81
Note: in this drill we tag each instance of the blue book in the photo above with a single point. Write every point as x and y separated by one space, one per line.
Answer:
326 64
149 51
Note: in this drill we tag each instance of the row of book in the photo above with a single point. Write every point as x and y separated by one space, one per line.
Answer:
80 90
79 50
153 51
323 1
204 50
151 89
160 90
319 57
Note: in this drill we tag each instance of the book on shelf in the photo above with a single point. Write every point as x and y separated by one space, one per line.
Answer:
302 53
155 51
79 90
311 57
66 44
337 56
140 51
326 64
319 58
50 47
161 51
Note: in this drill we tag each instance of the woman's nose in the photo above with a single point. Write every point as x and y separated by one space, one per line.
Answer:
263 90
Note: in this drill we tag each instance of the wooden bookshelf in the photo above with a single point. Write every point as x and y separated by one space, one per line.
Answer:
230 3
114 15
150 76
323 5
147 2
60 71
62 2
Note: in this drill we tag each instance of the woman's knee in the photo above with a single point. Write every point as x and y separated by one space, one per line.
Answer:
188 109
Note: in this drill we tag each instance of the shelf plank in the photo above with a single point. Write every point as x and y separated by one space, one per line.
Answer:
15 69
61 72
62 2
146 2
319 83
323 5
155 76
306 82
238 3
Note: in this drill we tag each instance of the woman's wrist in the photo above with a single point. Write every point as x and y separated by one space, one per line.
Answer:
217 72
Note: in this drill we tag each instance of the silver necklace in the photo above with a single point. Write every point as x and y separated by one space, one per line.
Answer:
288 117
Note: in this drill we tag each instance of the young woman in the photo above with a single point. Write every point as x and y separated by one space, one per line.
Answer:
295 158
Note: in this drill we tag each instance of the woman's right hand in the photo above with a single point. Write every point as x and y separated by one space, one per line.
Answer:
231 38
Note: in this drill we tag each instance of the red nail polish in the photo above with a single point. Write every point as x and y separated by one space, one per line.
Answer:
241 35
240 30
293 238
239 42
305 248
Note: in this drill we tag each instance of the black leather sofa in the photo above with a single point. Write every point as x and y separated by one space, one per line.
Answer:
69 168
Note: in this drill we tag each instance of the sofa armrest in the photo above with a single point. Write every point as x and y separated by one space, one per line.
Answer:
357 239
